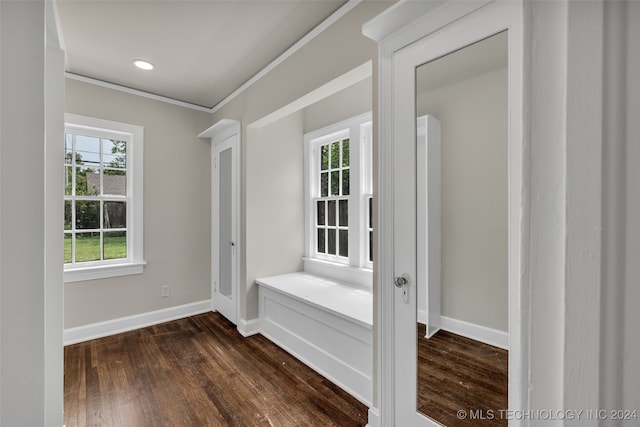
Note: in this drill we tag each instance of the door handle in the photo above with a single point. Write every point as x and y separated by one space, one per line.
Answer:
401 280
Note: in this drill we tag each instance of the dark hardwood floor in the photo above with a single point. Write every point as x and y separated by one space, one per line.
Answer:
458 373
197 371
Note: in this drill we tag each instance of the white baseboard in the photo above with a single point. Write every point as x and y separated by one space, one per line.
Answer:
249 327
422 316
137 321
374 418
475 332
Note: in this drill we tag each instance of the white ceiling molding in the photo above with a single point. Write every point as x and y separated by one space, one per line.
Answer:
136 92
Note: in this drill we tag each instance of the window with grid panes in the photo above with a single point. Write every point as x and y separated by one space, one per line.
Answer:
332 207
338 186
102 221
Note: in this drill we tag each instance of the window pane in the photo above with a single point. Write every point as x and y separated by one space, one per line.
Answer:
87 151
115 245
67 215
335 155
344 243
332 241
371 246
345 153
67 248
87 215
331 213
321 248
343 206
114 153
345 182
115 215
114 182
324 157
324 184
68 180
87 247
68 148
321 212
335 183
87 181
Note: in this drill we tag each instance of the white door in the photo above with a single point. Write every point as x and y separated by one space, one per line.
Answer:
409 213
224 248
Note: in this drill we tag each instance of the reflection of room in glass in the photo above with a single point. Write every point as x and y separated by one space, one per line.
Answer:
462 227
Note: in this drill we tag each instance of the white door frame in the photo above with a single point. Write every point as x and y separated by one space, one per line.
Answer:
400 35
218 133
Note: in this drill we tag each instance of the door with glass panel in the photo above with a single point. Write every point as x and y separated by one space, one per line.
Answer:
225 195
443 194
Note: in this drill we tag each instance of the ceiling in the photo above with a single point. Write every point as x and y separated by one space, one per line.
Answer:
202 50
471 61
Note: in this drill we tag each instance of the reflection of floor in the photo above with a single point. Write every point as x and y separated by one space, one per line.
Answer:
461 382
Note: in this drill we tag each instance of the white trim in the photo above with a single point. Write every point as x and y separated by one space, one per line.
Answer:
335 16
373 417
55 38
480 333
341 82
249 327
361 277
137 321
351 128
428 227
402 29
218 134
80 274
473 331
220 130
136 92
134 263
53 217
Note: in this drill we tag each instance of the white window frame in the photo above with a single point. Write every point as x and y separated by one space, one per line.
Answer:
356 268
134 135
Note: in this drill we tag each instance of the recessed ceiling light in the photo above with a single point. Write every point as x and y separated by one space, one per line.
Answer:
143 65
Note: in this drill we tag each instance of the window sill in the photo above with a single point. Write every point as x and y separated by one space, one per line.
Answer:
79 274
362 277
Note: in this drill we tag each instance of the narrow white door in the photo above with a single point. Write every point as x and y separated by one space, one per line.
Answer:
225 281
413 263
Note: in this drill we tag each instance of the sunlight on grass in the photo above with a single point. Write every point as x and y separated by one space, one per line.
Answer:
88 246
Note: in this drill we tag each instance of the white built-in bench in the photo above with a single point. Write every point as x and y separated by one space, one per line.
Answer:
325 323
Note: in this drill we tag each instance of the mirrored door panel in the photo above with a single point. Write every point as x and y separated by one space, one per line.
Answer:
462 229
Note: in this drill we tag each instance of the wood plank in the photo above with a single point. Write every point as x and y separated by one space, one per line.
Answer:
457 373
198 371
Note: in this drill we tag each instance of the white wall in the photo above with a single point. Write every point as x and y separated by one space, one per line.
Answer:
473 118
340 106
177 200
31 80
631 337
274 203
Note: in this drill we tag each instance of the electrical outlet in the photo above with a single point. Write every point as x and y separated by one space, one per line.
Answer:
166 291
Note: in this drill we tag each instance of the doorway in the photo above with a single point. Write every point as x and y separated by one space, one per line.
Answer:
225 211
436 35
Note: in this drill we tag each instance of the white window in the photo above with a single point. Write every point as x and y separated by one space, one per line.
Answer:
338 194
102 198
